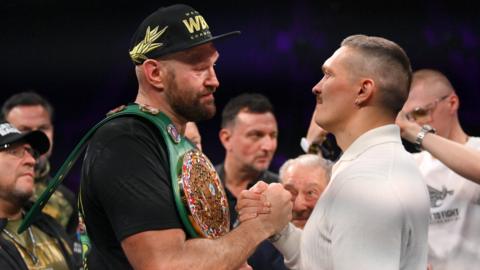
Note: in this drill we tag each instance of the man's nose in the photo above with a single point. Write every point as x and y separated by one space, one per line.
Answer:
269 143
299 204
212 80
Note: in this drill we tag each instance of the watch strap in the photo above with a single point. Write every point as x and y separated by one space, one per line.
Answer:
421 135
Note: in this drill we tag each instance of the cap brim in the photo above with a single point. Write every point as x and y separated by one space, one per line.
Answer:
37 140
233 33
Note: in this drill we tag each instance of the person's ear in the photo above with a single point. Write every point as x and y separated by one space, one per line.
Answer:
155 73
365 91
225 136
453 103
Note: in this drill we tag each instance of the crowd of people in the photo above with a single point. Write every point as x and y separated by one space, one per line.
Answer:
150 199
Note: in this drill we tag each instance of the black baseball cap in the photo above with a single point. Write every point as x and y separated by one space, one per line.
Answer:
168 30
10 135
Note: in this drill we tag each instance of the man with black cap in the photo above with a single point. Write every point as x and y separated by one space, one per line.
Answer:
28 111
126 195
45 245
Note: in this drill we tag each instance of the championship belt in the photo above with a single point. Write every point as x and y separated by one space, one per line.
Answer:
199 195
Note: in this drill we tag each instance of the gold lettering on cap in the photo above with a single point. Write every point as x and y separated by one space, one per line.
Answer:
195 24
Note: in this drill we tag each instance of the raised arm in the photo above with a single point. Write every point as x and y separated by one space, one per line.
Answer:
461 159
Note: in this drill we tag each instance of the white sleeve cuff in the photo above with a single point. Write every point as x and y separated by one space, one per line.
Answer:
305 144
289 245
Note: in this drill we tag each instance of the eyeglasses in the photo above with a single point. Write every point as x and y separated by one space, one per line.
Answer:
19 150
422 113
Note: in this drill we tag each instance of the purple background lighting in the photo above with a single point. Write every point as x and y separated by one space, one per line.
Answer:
76 54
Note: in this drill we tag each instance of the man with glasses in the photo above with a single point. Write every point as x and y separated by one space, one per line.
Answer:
424 113
44 245
454 237
28 111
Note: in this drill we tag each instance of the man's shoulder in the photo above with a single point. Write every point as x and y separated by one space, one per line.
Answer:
128 129
128 124
47 224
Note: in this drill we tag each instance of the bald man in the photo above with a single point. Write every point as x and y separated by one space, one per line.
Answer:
454 237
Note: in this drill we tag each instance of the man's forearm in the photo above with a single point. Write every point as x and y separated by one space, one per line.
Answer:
458 157
227 252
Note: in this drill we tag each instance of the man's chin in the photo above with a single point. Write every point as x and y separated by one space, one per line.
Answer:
207 112
262 165
299 223
22 197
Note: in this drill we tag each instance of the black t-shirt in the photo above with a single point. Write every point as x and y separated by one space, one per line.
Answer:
126 188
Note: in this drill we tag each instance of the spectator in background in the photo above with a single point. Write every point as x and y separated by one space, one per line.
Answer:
45 245
28 111
432 105
305 176
249 135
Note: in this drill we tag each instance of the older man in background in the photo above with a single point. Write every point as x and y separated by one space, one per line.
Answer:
305 176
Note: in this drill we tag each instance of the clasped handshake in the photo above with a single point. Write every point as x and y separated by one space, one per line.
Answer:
270 205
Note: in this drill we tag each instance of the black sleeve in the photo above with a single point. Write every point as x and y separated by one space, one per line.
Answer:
131 179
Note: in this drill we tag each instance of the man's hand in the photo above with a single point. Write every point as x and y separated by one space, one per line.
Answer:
281 209
409 129
252 202
274 204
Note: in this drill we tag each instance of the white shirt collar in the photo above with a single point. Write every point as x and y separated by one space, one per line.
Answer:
380 135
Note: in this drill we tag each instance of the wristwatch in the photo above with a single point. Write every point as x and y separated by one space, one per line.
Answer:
419 139
274 238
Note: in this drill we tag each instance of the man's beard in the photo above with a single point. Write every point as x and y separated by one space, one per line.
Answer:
253 169
188 106
17 197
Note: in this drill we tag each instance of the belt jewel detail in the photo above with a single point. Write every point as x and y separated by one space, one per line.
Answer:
203 195
173 132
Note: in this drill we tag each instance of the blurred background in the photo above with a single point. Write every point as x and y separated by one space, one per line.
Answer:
75 53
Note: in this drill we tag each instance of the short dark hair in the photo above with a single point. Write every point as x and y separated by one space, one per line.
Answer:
389 63
28 98
250 102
